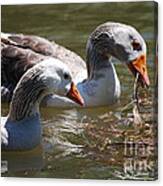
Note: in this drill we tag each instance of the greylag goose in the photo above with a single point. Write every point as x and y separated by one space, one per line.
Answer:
21 129
97 81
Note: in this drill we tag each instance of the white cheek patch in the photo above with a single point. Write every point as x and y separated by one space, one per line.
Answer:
52 81
67 88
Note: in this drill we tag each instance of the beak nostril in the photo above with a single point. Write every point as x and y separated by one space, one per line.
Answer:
143 69
142 57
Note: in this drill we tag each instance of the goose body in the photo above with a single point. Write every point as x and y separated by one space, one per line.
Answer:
96 78
21 135
21 129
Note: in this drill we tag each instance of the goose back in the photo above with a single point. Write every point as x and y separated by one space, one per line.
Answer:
20 52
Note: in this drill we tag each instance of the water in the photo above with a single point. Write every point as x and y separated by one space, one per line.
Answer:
95 143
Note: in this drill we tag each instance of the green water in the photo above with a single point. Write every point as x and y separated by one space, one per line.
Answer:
87 143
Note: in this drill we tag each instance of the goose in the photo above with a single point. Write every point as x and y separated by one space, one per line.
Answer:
21 129
96 79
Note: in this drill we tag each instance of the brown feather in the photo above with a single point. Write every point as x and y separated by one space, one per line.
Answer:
20 52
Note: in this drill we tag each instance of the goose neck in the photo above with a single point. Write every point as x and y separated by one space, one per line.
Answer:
96 63
27 96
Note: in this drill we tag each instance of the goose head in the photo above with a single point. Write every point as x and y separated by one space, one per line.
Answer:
51 76
124 43
48 76
57 78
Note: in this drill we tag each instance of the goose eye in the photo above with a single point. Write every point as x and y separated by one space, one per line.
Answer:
66 76
136 46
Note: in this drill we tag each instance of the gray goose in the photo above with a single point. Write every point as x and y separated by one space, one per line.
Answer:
21 129
96 79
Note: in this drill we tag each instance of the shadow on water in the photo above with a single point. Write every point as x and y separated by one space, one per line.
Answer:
96 143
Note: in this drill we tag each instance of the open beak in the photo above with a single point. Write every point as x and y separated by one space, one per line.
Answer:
139 66
74 95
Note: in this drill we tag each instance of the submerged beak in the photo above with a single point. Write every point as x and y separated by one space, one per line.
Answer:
74 95
139 66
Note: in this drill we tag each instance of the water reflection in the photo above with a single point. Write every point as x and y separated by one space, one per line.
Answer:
22 161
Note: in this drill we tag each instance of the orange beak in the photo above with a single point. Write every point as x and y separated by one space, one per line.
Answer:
139 65
74 95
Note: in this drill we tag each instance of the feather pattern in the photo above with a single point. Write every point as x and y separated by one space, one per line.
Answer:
21 129
97 75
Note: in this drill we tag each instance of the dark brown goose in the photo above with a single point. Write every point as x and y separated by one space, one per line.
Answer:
20 52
